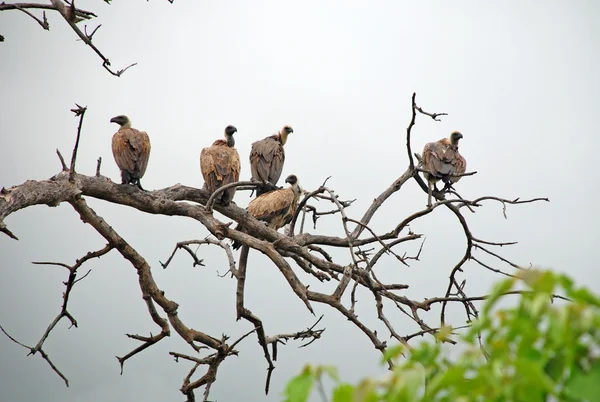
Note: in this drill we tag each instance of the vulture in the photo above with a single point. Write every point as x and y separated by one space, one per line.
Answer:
442 160
220 165
266 159
131 149
277 207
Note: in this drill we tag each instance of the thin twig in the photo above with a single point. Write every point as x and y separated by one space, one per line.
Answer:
98 166
43 23
79 111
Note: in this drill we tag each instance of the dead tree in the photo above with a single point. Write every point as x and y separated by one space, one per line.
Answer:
292 252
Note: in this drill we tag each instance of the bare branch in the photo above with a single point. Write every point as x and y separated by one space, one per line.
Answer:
59 6
43 23
243 312
42 353
211 199
62 160
69 286
22 6
98 166
434 116
79 111
90 35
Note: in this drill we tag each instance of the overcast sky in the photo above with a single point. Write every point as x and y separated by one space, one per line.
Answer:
518 79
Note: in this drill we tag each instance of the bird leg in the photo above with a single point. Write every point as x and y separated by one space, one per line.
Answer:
138 184
430 186
125 177
224 199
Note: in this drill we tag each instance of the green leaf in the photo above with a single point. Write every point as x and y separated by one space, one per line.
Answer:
539 304
497 292
425 354
541 281
532 379
566 282
584 384
365 392
585 296
343 393
331 371
392 352
555 367
298 389
454 376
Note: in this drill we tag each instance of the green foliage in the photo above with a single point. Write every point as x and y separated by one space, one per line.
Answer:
537 349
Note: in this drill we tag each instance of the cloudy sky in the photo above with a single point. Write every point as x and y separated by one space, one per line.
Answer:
520 80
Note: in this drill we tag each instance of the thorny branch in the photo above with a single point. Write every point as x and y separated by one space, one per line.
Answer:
311 252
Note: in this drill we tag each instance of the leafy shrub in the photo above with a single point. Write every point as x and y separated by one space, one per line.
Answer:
540 350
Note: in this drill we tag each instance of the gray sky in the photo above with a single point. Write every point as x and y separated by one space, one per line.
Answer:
518 79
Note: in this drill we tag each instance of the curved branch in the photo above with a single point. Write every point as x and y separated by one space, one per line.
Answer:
211 199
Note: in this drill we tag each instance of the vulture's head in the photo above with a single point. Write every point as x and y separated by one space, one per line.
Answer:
292 179
229 130
454 137
121 120
285 131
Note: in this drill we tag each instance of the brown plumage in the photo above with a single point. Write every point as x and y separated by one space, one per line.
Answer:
277 207
443 160
266 159
220 165
131 149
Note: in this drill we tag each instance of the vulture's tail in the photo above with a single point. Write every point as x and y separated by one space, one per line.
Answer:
234 243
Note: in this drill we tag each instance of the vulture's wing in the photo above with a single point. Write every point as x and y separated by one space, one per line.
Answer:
207 166
131 149
220 165
270 206
266 159
141 142
442 160
460 165
123 152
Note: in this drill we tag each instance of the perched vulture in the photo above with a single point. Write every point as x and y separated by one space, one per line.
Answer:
220 165
266 159
131 149
277 207
442 160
